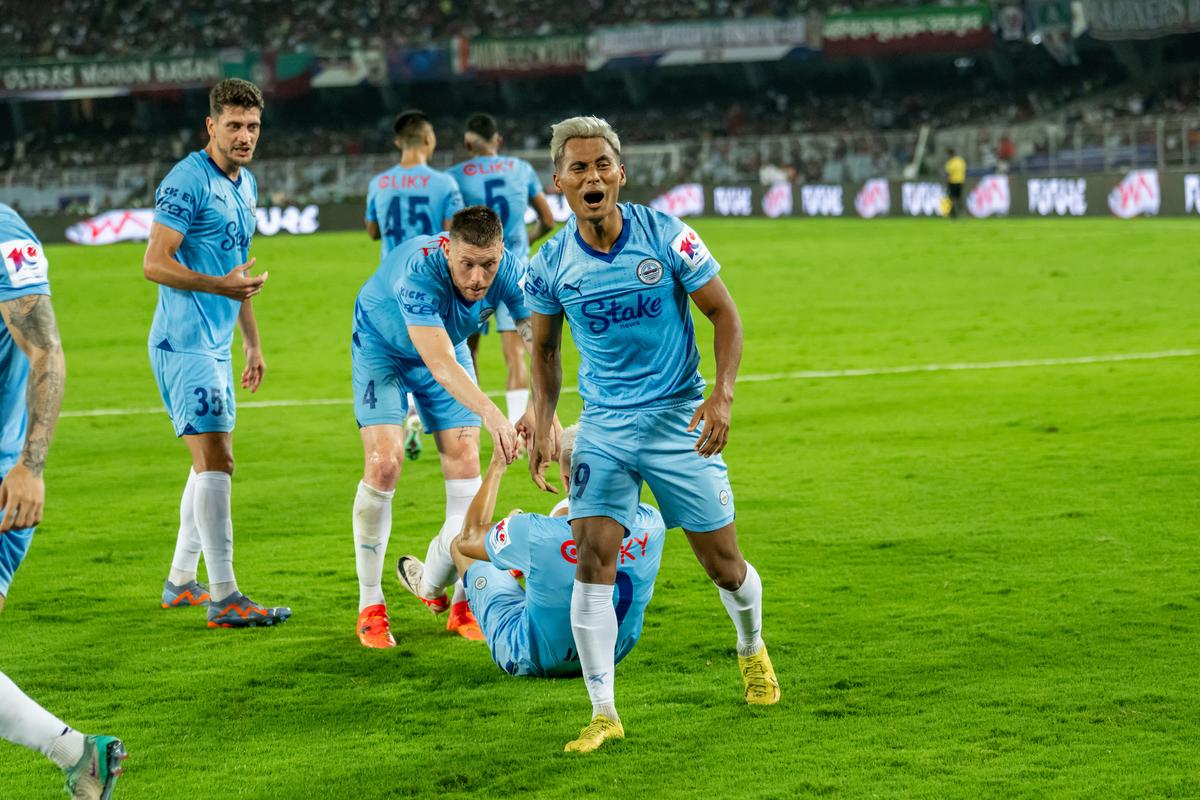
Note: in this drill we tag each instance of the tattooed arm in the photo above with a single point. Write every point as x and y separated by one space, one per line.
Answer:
30 321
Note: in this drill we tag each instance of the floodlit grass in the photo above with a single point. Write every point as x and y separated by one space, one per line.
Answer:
978 583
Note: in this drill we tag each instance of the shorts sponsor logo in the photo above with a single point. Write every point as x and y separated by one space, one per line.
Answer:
481 583
991 198
724 497
499 536
649 272
874 199
1136 195
1058 196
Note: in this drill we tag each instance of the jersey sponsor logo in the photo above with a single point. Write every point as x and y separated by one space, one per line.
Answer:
536 286
606 313
690 247
471 168
24 262
649 272
235 237
441 243
500 537
403 181
570 552
627 547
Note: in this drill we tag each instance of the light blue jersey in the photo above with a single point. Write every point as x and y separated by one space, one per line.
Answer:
409 202
539 641
628 308
216 217
26 272
505 185
413 287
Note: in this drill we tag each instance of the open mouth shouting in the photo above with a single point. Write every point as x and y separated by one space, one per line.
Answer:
593 199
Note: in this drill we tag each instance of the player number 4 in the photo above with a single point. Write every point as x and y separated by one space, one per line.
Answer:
369 395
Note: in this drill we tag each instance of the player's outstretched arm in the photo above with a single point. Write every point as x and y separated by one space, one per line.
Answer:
714 300
256 367
545 369
435 349
160 266
30 321
478 520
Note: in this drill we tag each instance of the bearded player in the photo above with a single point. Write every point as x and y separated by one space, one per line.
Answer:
622 275
199 255
32 373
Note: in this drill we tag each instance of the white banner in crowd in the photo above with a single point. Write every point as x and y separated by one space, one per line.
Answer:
1137 194
874 199
720 42
922 199
733 201
1058 196
684 200
990 197
1191 193
822 200
777 202
133 224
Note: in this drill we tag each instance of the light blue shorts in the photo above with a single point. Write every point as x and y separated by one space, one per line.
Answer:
617 449
498 602
382 381
197 391
13 547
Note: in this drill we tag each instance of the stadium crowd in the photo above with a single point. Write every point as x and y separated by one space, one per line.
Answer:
64 28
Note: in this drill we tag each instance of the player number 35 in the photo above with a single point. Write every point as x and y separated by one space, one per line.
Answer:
208 401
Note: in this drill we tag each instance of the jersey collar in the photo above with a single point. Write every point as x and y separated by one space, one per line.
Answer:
612 254
213 164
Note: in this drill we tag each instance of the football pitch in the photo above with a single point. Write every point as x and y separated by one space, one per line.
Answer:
980 570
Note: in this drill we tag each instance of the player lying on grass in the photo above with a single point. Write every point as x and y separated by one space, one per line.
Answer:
529 630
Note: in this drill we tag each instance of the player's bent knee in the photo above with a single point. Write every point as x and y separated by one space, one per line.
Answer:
382 471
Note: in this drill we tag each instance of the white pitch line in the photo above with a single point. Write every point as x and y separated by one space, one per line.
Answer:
798 375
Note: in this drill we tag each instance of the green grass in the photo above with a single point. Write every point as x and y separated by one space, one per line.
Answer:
978 583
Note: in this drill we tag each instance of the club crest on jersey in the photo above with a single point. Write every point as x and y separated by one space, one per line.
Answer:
690 247
649 271
486 314
24 262
500 536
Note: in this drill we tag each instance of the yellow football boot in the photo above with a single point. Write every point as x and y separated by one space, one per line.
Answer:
598 731
762 687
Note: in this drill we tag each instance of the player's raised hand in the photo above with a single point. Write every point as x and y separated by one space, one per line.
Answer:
504 435
23 497
252 375
239 284
715 413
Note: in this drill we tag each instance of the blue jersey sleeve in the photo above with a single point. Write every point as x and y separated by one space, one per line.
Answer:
179 198
26 268
454 199
420 295
508 543
540 295
514 296
689 258
372 190
534 185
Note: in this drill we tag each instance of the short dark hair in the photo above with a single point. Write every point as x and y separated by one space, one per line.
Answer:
482 125
477 225
409 127
234 92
